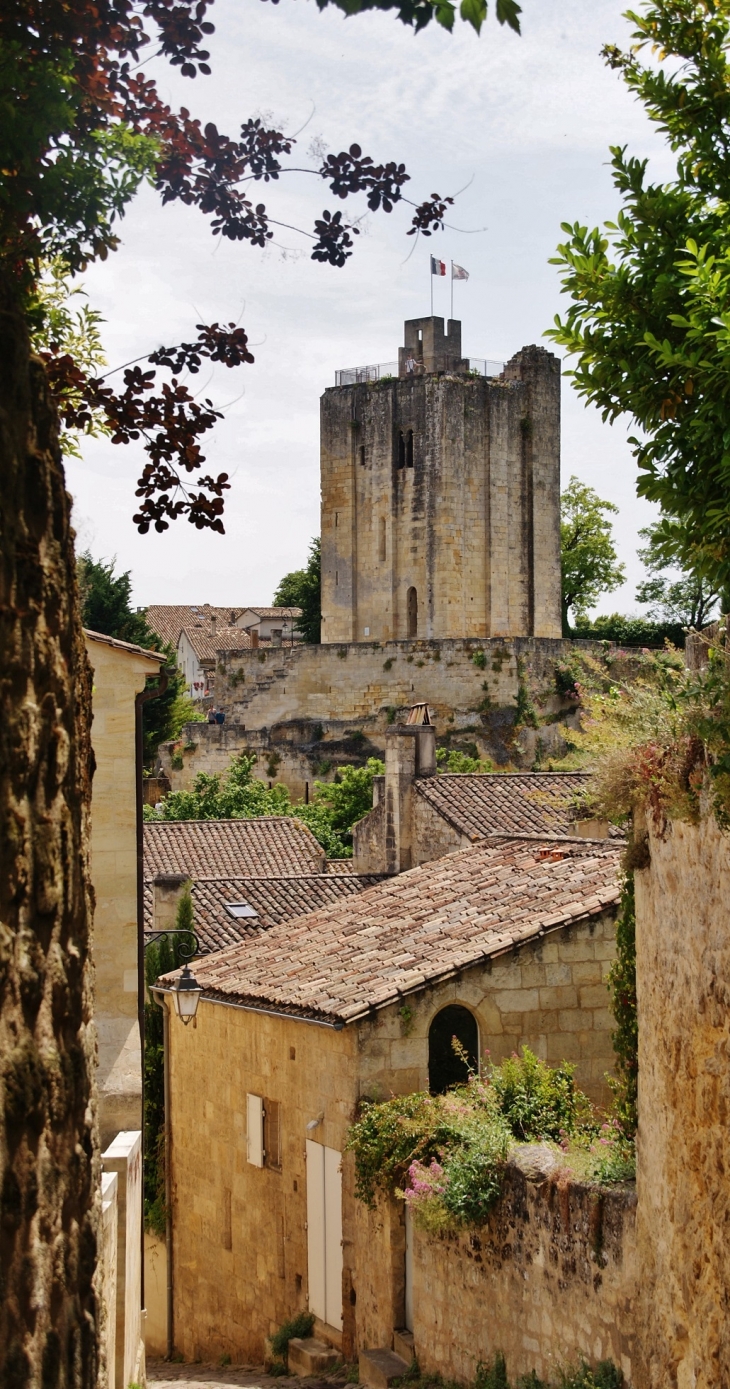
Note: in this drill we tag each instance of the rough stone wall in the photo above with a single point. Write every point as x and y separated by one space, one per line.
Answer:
683 989
118 676
550 1278
467 514
49 1163
551 996
298 707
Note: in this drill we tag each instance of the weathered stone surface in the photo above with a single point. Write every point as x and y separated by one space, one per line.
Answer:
308 1356
440 504
548 1280
683 988
379 1368
49 1155
307 706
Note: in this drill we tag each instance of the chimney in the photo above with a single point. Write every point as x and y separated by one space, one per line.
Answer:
212 624
167 889
410 752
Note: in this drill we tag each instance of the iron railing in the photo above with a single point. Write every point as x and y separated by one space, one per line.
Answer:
382 371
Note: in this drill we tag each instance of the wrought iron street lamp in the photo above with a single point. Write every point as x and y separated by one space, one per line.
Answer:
186 995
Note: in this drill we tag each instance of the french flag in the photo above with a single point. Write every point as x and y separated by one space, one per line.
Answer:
438 267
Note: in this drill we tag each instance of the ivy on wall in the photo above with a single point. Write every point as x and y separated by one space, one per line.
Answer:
622 983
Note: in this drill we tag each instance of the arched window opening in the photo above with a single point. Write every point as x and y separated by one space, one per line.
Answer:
401 450
412 611
409 449
445 1066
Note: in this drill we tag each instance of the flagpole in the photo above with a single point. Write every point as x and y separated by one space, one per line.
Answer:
452 290
430 276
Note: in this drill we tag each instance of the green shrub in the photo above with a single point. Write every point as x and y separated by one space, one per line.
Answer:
480 660
300 1325
537 1100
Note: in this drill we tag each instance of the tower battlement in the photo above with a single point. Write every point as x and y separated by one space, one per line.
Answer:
441 497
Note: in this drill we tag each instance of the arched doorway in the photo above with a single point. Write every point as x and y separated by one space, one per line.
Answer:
445 1067
412 612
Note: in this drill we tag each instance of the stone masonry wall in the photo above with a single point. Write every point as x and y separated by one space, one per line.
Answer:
466 517
305 710
551 996
683 988
550 1278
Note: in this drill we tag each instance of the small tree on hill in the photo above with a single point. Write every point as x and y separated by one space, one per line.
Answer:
588 556
302 589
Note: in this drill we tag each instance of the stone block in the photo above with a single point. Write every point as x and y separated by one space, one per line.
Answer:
594 996
517 1000
586 972
308 1356
378 1368
562 996
404 1346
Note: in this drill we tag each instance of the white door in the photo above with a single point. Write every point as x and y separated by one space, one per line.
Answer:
409 1270
324 1232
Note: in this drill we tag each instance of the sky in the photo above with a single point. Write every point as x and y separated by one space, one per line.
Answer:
518 127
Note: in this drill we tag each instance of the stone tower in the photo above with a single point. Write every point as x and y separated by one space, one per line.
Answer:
441 496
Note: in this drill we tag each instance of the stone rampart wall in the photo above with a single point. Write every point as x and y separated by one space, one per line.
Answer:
305 710
683 988
550 1279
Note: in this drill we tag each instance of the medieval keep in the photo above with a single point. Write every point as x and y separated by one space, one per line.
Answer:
441 496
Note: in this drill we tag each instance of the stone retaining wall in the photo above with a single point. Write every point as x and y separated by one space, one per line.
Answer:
550 1279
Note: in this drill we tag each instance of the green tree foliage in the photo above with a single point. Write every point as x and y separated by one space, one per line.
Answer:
302 589
106 607
349 796
628 631
240 796
160 957
649 321
673 595
588 557
622 983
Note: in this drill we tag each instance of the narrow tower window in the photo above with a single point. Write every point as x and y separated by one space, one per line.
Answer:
401 450
381 546
412 610
409 449
362 455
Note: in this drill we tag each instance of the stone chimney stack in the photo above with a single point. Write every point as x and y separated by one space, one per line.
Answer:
167 890
212 624
410 752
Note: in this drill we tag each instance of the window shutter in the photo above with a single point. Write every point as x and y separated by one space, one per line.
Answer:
315 1229
255 1130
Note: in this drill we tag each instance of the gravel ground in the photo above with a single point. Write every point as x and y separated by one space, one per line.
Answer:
160 1372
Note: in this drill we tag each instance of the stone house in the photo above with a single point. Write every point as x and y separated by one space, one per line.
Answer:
120 672
201 649
295 1026
418 815
274 625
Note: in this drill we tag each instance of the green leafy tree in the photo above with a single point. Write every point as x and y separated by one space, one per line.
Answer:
302 588
672 595
588 556
349 796
649 319
106 607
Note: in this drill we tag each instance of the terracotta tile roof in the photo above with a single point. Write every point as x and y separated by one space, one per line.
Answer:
266 847
529 803
120 645
272 899
275 612
168 619
207 644
339 963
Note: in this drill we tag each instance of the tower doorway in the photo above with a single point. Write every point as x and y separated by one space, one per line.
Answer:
412 613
